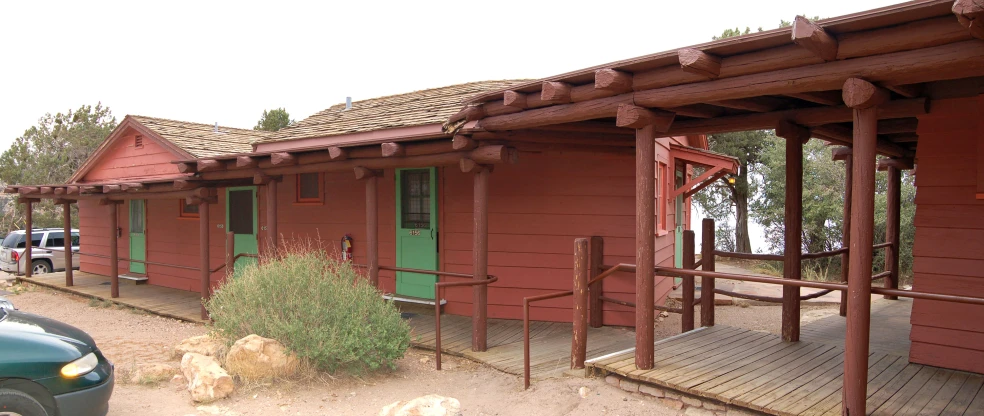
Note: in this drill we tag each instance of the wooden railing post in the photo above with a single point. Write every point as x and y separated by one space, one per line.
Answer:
29 238
480 260
893 228
582 273
230 254
864 98
689 248
596 311
67 225
707 264
271 221
114 255
792 264
645 244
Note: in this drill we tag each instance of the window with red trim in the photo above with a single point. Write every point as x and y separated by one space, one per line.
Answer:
310 188
663 189
186 210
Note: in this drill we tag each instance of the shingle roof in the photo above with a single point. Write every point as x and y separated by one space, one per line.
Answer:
201 140
432 106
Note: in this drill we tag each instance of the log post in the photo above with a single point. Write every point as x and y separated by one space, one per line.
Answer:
480 260
28 228
793 239
271 220
689 259
645 244
114 262
372 230
863 98
230 256
582 273
67 225
597 260
203 243
844 153
707 265
893 228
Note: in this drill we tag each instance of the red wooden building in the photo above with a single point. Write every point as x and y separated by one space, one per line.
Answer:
500 179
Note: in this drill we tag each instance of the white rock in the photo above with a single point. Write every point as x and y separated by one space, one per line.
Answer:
202 344
152 373
178 382
429 405
207 381
258 358
583 392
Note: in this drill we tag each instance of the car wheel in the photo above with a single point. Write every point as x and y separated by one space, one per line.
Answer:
39 267
16 403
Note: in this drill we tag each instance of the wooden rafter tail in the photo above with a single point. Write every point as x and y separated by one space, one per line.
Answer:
859 93
613 80
970 14
365 173
208 165
337 153
27 190
635 117
514 99
555 92
393 150
841 153
246 162
60 190
812 37
45 190
188 167
699 62
132 187
111 189
905 163
463 142
282 159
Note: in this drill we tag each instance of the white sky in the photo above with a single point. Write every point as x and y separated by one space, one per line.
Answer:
226 62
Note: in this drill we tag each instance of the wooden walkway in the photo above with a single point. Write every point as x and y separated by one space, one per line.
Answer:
757 370
164 301
550 343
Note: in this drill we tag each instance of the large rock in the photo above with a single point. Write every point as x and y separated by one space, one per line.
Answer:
429 405
202 344
153 373
207 381
258 358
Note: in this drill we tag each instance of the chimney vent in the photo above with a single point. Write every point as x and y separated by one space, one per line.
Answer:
216 126
348 103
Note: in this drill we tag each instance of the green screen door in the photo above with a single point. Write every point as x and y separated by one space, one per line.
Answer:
416 231
241 220
138 237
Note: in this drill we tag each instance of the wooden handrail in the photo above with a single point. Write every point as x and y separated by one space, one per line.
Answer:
437 299
153 263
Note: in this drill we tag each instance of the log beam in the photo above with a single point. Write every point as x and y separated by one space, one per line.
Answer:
970 14
364 173
246 162
108 188
699 63
393 150
896 163
832 98
614 81
187 167
282 159
555 92
633 117
792 131
462 142
754 104
207 165
861 94
337 153
132 187
907 91
474 112
514 99
811 36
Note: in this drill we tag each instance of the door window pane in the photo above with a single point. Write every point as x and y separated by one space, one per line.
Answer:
241 212
415 198
137 216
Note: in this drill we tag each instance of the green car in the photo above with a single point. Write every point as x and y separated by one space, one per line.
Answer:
48 368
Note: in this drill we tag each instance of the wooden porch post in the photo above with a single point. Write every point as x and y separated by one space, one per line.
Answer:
372 230
689 251
844 153
893 228
582 273
480 260
864 98
67 225
203 242
114 255
795 136
645 245
594 292
28 246
271 220
707 265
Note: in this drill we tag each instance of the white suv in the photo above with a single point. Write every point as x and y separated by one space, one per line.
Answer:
46 256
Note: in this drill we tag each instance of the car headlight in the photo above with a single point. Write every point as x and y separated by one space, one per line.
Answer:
81 366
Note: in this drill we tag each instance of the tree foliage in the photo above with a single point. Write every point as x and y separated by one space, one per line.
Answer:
49 153
274 120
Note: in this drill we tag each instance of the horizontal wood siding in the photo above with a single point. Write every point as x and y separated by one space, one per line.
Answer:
123 159
949 243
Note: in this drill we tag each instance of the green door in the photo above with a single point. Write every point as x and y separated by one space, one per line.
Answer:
138 237
416 231
241 219
681 219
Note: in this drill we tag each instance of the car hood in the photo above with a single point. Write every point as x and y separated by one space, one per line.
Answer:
22 325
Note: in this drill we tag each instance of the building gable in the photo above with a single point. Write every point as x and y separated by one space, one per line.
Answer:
130 152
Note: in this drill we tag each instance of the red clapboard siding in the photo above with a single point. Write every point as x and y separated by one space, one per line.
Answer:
948 253
122 160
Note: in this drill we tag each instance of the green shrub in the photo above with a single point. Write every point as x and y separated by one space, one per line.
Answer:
322 309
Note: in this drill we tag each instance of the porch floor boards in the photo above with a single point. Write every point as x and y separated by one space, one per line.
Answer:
756 370
172 303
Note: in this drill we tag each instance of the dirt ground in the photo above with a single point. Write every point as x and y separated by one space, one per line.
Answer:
129 337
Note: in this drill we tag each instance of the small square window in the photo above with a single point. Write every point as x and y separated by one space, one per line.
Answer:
310 187
186 210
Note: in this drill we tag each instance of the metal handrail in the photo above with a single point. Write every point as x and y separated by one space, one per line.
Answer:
526 329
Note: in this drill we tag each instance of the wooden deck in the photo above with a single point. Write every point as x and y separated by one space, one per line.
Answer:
172 303
756 370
